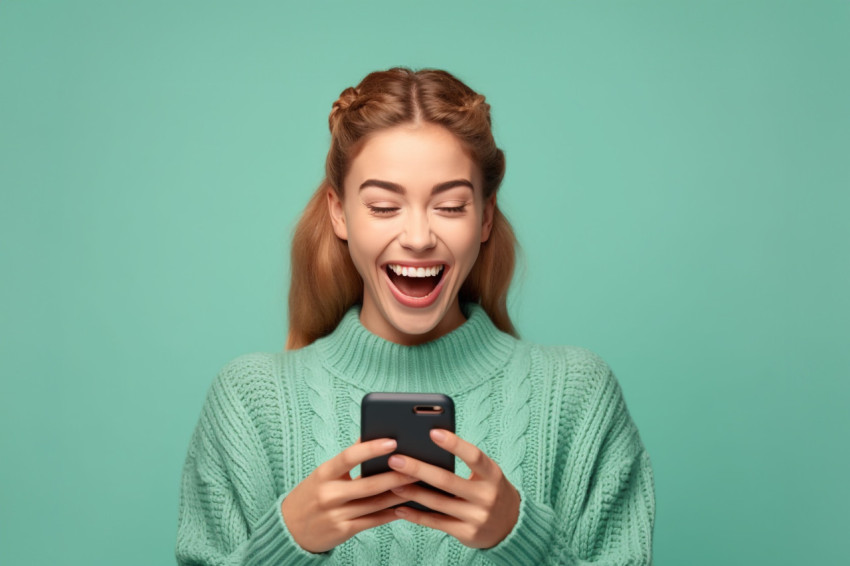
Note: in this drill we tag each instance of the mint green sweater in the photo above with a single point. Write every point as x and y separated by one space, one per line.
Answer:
553 418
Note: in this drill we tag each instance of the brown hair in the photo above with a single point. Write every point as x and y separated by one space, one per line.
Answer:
325 283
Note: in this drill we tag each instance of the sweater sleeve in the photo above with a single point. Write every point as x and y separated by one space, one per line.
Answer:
530 540
606 499
229 512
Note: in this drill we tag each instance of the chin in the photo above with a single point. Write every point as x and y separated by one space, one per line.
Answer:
416 327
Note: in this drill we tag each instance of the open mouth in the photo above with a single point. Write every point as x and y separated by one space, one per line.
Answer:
415 282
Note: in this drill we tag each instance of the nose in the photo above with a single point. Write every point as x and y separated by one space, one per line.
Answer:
416 234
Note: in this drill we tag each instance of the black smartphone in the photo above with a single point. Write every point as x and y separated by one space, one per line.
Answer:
408 418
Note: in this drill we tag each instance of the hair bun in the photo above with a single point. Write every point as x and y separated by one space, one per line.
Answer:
478 101
346 98
341 104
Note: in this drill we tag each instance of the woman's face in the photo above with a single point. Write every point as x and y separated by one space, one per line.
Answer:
414 217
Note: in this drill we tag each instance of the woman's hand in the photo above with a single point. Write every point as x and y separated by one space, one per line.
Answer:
328 507
485 507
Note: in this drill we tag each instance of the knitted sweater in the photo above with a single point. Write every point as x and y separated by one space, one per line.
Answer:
553 419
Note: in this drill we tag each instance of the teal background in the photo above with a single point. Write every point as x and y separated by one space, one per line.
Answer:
677 176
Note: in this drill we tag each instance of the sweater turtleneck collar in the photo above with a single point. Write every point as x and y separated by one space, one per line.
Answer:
463 358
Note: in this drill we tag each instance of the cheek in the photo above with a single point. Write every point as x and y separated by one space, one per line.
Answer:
464 239
366 241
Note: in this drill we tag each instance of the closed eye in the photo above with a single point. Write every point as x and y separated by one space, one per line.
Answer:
381 210
453 209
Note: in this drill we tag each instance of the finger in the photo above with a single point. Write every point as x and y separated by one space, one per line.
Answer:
438 477
379 483
342 463
451 506
362 507
373 520
341 492
478 462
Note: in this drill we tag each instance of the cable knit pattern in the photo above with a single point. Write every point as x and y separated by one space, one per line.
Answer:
515 417
553 418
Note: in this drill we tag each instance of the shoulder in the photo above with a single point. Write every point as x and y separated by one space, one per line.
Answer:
580 377
590 399
243 380
256 375
250 392
245 369
573 363
254 368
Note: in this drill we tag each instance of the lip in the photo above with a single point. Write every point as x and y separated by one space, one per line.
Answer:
415 302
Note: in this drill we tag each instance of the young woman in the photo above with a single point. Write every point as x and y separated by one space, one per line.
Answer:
401 265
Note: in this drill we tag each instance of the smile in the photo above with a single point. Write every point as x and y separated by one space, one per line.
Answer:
415 286
415 271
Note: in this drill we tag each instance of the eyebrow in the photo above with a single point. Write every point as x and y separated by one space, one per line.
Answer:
396 188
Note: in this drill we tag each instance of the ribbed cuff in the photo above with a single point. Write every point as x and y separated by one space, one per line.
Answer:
531 538
272 543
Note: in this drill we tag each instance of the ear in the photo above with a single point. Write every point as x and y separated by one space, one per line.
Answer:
487 218
337 215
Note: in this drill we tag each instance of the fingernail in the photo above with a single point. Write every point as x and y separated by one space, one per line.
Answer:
401 512
396 461
437 434
398 489
387 444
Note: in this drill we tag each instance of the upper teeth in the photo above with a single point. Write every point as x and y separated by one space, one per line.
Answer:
416 271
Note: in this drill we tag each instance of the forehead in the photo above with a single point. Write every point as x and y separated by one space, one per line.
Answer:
413 156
